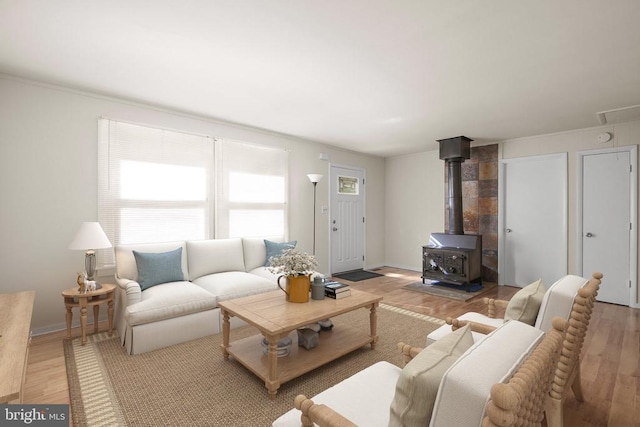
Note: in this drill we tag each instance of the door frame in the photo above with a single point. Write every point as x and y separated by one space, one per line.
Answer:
633 214
502 206
364 211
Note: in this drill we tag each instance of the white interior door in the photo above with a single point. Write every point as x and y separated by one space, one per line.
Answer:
347 219
533 226
606 232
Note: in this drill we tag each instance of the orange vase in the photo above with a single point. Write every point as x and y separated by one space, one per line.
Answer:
297 288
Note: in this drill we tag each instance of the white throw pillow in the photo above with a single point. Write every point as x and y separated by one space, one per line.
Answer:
419 380
525 304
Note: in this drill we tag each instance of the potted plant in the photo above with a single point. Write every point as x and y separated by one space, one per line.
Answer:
297 268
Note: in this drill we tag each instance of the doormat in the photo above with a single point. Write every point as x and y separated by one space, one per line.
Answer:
458 293
357 275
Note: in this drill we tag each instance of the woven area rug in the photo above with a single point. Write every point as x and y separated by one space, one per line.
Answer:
190 384
456 293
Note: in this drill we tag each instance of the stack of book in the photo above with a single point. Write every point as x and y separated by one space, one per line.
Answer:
336 290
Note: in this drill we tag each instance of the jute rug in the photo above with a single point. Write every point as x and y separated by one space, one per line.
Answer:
191 385
456 293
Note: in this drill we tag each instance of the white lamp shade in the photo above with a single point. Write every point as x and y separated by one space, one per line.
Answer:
315 177
90 236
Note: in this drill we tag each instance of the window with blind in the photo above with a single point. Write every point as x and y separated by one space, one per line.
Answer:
159 185
251 197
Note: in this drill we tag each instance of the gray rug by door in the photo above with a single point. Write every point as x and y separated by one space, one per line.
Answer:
357 275
190 384
458 294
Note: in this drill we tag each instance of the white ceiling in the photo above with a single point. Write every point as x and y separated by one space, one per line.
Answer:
384 77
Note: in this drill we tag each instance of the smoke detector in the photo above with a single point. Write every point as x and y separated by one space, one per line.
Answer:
604 137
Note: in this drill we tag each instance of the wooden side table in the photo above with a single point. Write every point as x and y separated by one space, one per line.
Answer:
73 298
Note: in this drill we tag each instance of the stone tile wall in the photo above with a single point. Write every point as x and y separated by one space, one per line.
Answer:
480 204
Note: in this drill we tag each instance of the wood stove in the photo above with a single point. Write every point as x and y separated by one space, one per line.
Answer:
453 257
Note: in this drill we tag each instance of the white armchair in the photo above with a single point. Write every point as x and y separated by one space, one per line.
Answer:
570 298
440 387
532 305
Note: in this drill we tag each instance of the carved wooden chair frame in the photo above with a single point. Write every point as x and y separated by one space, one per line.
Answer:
567 372
520 401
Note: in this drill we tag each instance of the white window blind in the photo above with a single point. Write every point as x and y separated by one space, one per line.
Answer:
154 184
251 196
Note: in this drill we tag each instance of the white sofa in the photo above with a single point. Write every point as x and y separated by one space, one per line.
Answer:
179 311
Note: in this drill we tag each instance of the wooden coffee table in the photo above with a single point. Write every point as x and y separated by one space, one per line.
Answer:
276 318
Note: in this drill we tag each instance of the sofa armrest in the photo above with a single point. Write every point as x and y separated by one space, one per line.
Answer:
132 290
322 415
493 305
475 326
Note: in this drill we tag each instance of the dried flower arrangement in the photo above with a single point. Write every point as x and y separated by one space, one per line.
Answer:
293 263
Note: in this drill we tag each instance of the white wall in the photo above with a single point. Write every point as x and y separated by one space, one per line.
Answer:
414 208
48 180
415 188
624 134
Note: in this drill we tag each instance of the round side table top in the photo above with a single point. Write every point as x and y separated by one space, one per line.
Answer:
75 291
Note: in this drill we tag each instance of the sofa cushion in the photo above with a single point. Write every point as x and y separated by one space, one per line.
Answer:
169 300
525 304
470 378
214 256
126 266
276 249
558 300
418 383
363 398
255 251
156 268
265 274
234 284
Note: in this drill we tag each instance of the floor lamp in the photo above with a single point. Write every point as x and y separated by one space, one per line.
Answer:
314 178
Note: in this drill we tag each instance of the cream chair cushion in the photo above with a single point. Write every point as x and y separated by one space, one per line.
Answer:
419 380
558 301
363 398
525 304
471 316
465 387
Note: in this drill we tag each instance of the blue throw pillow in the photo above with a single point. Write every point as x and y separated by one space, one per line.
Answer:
157 268
276 249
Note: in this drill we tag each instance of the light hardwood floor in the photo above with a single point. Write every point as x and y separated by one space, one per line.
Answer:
610 366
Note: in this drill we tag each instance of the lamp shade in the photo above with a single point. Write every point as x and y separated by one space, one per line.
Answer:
315 177
90 236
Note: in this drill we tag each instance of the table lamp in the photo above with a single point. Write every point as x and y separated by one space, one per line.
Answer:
90 237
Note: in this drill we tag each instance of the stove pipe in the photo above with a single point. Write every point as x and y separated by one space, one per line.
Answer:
454 151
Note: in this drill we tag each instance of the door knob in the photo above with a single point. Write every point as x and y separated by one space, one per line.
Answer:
335 229
508 230
589 235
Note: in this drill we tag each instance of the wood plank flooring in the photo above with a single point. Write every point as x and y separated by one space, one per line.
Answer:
610 366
